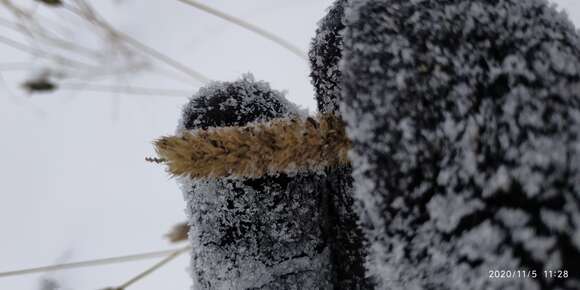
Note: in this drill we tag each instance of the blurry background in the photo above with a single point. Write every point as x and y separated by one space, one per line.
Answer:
73 181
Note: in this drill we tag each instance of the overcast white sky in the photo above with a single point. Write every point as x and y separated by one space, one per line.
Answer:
73 181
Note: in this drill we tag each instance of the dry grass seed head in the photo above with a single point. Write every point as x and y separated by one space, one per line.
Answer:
178 233
281 145
51 2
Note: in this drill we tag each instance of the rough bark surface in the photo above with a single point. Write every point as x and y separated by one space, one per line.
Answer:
464 117
271 232
349 246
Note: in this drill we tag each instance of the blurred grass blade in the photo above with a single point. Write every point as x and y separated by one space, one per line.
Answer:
152 268
244 24
90 263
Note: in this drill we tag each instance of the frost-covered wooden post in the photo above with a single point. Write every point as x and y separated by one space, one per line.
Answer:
348 243
270 232
465 122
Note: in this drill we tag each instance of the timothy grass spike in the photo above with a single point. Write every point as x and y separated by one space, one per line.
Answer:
282 145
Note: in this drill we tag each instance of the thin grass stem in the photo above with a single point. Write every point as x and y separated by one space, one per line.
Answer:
152 269
89 14
130 90
249 26
91 263
42 54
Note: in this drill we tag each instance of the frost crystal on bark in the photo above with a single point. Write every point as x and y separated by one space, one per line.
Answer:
325 54
464 117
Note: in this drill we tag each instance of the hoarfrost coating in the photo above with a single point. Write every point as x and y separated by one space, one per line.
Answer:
464 117
252 233
272 232
235 104
325 54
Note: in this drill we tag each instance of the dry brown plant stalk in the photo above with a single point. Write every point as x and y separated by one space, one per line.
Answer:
281 145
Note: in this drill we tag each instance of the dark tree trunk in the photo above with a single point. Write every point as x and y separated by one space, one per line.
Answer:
271 232
465 121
